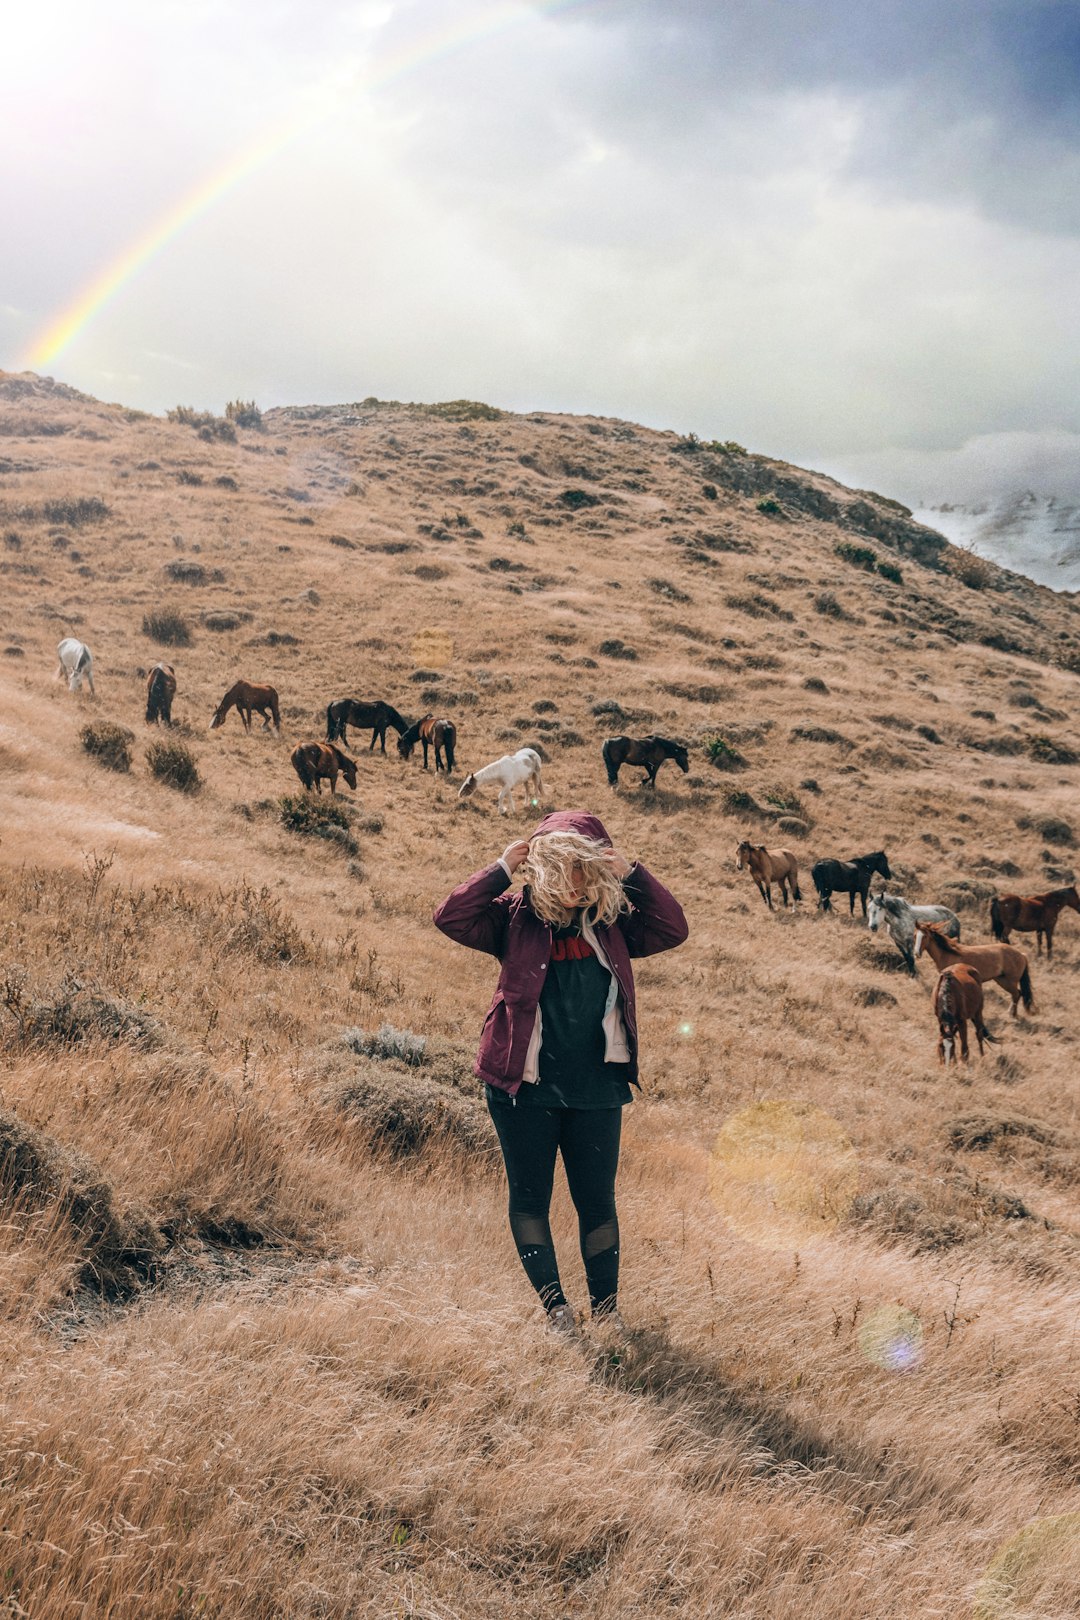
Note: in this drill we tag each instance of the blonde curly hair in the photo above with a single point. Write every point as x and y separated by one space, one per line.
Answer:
560 865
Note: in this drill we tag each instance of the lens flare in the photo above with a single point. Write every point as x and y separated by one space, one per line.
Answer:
685 1029
892 1337
432 649
783 1174
1037 1572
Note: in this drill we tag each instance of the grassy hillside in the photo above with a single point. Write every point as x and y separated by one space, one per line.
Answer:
267 1347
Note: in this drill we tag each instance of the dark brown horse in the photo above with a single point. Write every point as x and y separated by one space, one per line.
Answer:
351 712
430 733
246 698
848 877
769 866
958 999
317 762
999 964
160 691
1029 913
649 752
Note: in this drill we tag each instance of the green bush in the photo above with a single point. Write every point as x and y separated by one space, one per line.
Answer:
576 499
311 817
770 507
889 571
167 628
970 569
723 754
174 764
726 447
858 556
244 413
1048 751
205 423
109 744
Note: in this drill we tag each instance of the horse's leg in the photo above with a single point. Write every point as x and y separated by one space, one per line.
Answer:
1049 940
1014 991
371 744
962 1029
424 742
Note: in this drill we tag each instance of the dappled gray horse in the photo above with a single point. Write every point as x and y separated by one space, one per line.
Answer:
901 921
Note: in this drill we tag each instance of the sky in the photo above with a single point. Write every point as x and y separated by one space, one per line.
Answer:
845 233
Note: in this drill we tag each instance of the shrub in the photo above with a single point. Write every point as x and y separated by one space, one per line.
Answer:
688 445
770 507
403 1111
829 604
737 802
670 592
725 447
1048 751
88 509
226 481
219 621
710 492
1052 828
387 1042
889 571
74 1014
244 413
859 556
167 628
109 744
759 606
185 476
614 648
970 569
310 817
575 499
814 683
821 734
174 764
723 754
13 540
463 410
783 799
186 573
205 423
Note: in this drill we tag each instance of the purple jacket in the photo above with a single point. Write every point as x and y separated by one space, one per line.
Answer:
479 913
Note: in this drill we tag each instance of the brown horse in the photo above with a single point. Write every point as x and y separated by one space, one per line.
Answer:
769 866
1031 912
1000 964
958 997
318 762
430 733
245 698
649 752
160 691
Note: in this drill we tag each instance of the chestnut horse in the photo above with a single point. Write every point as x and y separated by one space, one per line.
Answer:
958 997
160 691
351 712
430 733
317 762
649 752
1031 912
769 866
244 698
1000 964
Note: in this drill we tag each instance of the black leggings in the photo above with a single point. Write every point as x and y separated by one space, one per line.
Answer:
588 1139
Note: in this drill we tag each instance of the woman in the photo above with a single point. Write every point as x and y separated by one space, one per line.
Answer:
558 1054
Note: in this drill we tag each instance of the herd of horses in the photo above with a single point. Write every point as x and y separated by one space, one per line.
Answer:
932 931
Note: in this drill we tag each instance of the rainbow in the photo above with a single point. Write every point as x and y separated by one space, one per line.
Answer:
64 327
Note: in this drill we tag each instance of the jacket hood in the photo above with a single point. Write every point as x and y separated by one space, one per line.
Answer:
579 821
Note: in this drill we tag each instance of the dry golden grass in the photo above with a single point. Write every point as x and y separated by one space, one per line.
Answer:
267 1349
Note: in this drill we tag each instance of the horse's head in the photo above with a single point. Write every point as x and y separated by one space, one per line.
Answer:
219 716
348 768
742 855
681 758
468 787
873 915
405 745
881 864
1072 898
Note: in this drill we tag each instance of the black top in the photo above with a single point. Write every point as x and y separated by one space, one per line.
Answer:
573 1073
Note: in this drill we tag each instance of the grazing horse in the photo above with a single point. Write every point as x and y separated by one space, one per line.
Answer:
1002 964
247 698
75 663
430 733
317 762
649 752
508 772
1031 912
900 921
351 712
848 877
160 691
958 997
769 866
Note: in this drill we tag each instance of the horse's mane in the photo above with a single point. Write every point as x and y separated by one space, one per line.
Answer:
670 745
949 945
861 860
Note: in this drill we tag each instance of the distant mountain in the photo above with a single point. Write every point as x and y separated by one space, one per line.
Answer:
1036 535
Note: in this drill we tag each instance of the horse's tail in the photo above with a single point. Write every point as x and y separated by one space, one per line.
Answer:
331 723
449 740
152 707
986 1035
796 892
611 763
1026 992
997 927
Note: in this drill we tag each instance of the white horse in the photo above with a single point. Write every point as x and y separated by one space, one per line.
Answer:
76 663
509 772
901 922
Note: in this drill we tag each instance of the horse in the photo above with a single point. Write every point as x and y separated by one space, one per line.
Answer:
958 997
351 712
429 732
1038 912
76 663
509 772
769 866
1002 964
316 762
900 920
649 752
245 698
848 877
160 691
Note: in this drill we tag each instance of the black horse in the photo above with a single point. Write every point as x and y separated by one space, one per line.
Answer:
649 752
351 712
848 877
160 691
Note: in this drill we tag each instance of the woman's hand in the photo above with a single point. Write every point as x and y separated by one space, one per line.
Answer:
515 853
618 863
